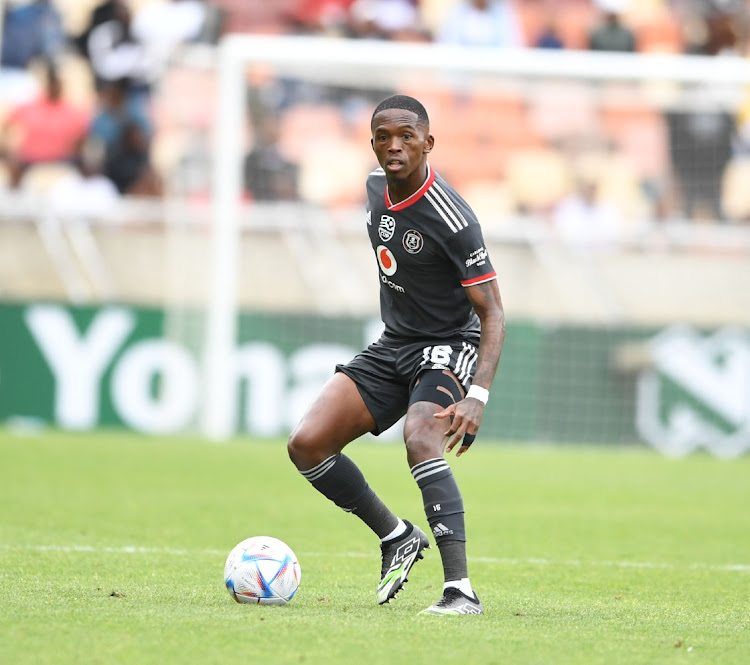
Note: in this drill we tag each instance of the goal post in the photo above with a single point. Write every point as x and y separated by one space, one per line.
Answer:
370 64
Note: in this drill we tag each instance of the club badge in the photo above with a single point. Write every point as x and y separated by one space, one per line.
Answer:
413 241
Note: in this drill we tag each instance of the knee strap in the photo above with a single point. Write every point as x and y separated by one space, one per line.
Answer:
438 387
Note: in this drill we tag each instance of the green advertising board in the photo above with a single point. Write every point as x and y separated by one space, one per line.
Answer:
139 368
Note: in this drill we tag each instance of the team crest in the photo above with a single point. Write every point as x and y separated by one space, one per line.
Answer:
387 227
413 241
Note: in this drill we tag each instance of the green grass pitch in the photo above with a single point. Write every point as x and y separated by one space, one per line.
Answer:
112 549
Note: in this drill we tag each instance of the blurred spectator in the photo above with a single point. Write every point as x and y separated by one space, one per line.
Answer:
128 164
115 53
701 148
549 36
30 30
162 25
268 174
702 137
114 112
47 129
86 193
585 222
387 19
612 34
101 13
713 27
482 23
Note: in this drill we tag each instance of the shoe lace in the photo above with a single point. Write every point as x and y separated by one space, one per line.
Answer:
386 552
450 595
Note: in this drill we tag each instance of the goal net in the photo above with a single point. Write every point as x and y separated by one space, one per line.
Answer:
580 166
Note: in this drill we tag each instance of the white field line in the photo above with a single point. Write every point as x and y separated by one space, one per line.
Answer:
502 561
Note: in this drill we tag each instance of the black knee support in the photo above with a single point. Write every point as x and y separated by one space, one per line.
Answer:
437 387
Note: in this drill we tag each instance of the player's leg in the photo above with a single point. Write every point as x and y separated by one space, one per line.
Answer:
443 504
339 416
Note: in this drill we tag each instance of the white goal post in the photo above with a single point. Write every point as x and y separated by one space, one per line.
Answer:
335 60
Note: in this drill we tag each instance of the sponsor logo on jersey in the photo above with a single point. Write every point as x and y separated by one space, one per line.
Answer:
478 257
387 263
386 260
387 227
392 285
413 241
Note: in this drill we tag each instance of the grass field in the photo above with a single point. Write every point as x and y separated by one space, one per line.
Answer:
112 548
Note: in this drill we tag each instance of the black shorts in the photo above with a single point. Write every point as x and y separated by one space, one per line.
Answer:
385 372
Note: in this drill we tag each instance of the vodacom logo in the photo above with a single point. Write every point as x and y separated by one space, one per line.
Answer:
386 260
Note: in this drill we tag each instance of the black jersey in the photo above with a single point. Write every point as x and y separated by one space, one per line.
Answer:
429 247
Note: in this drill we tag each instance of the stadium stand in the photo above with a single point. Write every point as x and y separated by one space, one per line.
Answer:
496 148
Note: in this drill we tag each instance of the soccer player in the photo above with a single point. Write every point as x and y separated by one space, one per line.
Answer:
435 362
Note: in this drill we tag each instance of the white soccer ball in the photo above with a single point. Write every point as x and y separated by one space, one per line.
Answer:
263 571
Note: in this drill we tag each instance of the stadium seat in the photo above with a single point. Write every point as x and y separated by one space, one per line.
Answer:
563 110
656 26
617 182
538 178
303 125
347 188
640 133
575 19
503 120
662 35
259 16
464 159
440 102
491 200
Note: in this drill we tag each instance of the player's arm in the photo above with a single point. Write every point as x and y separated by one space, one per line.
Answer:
467 414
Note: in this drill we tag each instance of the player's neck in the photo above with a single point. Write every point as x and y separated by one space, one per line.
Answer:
401 189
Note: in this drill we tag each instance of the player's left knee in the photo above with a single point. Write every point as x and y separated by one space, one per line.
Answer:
423 444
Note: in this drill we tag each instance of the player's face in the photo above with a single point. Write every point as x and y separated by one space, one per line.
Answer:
400 144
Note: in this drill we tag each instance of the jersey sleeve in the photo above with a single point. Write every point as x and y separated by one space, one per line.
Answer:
468 253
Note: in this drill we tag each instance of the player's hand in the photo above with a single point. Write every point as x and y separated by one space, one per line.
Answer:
465 417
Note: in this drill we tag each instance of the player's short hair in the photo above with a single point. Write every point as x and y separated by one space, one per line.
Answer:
404 103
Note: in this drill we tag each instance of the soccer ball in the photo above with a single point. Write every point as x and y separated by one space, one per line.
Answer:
263 571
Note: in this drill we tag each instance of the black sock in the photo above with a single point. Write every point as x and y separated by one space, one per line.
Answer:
453 556
339 479
444 508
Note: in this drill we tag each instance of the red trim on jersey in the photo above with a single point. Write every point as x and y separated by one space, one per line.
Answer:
478 280
414 197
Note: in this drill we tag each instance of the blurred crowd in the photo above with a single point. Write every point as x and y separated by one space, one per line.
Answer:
88 139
